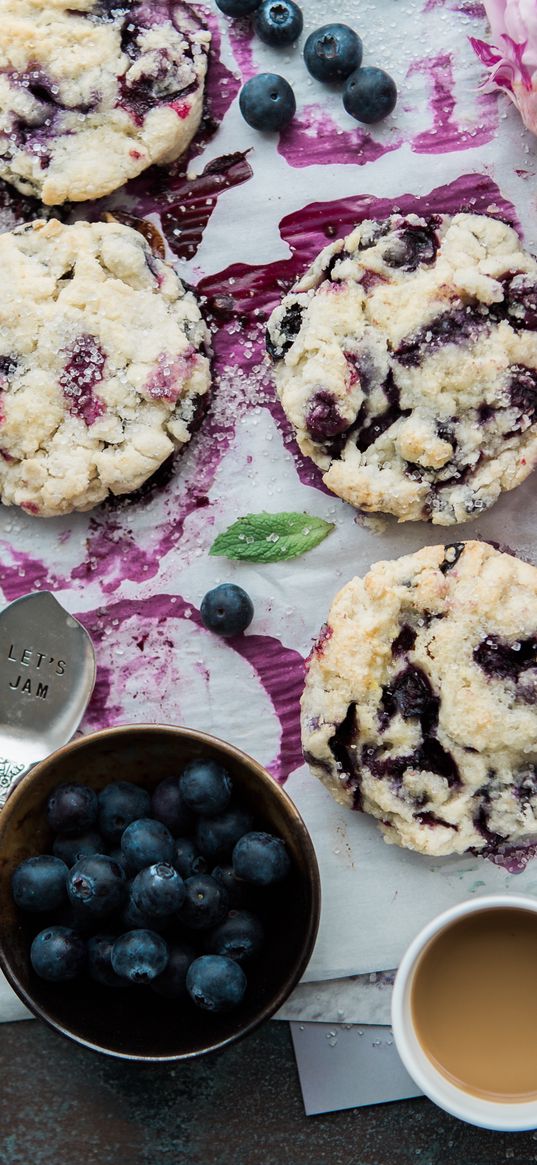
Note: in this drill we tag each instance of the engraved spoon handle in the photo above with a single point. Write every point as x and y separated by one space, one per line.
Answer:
10 775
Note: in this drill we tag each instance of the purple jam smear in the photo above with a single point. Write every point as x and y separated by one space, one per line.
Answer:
190 202
82 373
289 327
452 554
405 640
410 694
504 661
410 246
323 418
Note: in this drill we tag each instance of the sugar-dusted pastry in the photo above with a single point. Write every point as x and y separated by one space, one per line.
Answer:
406 360
420 705
103 364
92 92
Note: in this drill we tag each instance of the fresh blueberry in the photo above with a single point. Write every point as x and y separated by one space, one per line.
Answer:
117 855
171 984
227 610
167 806
187 858
96 885
132 918
370 94
158 890
71 849
100 960
267 102
216 836
72 809
205 903
216 983
145 842
40 883
205 787
238 892
333 52
57 954
237 7
139 956
278 22
119 804
261 858
240 936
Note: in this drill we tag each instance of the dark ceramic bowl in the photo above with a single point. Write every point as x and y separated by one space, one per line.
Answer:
132 1022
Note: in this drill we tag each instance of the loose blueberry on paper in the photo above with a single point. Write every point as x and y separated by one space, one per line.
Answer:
237 7
370 95
278 22
148 912
333 52
227 610
267 102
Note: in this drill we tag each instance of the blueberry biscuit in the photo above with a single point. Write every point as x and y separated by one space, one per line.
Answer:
406 360
103 364
92 92
420 705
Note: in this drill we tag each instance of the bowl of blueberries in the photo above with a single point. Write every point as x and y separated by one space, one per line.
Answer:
159 892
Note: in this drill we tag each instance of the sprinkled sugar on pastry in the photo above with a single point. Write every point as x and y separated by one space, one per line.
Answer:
92 92
420 705
406 360
103 364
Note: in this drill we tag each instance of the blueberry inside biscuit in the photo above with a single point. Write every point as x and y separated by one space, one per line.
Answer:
92 94
406 359
420 704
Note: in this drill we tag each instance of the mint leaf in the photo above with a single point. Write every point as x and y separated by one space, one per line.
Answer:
270 537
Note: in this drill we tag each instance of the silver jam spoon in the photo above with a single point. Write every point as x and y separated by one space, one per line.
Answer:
47 676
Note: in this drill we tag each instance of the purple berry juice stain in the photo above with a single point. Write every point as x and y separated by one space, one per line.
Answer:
314 137
280 669
445 134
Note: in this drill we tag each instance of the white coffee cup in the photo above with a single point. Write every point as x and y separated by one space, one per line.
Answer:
487 1114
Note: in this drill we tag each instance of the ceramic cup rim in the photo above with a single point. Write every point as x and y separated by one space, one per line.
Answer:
502 1116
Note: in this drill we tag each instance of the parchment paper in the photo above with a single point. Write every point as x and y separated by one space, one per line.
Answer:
135 571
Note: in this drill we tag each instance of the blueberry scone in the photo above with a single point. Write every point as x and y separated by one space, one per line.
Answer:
420 705
406 360
92 92
103 364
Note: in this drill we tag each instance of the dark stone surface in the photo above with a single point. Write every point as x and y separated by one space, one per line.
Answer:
62 1105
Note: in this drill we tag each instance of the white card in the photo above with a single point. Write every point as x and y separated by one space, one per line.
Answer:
348 1066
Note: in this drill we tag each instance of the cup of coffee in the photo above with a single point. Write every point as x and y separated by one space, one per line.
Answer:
464 1012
